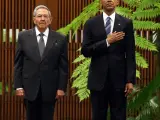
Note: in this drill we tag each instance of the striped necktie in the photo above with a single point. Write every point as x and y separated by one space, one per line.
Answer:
108 25
41 44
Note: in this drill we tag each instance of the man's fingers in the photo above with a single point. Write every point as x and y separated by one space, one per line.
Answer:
119 38
120 35
60 94
20 92
128 91
125 89
57 96
126 94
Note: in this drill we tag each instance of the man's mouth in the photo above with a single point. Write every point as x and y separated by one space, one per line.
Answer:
109 5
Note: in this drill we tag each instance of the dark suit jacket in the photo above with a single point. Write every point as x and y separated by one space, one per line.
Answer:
116 62
50 72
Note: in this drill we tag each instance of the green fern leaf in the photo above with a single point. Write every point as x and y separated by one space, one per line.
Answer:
157 5
83 93
79 59
140 61
130 118
147 4
81 68
146 111
88 12
146 25
137 73
79 49
146 14
145 44
65 30
124 12
144 115
132 3
145 94
81 80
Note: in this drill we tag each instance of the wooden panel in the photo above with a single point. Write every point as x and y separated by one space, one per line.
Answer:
41 2
15 15
69 9
53 6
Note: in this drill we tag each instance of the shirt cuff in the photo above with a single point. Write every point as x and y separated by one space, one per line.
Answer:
107 43
19 88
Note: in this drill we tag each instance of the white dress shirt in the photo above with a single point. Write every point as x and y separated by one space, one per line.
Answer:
112 16
45 37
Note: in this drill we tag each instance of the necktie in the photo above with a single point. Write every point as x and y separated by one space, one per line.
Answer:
108 25
41 44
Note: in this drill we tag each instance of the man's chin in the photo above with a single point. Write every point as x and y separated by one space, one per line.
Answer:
109 9
42 26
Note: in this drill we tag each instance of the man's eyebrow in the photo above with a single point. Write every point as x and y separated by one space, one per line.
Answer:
42 14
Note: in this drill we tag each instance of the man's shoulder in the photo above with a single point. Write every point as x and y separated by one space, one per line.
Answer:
25 32
124 19
57 34
61 38
94 20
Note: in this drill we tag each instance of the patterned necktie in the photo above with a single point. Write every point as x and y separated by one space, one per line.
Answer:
108 25
41 44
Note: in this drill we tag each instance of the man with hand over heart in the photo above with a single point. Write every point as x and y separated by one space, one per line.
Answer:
108 39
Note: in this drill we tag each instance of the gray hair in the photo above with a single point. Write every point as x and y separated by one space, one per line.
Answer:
39 7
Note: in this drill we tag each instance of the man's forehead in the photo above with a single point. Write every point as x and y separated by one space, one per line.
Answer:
42 10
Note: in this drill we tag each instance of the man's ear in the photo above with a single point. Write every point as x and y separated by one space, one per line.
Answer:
51 19
34 20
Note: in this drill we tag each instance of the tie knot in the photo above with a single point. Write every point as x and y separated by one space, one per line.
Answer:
108 18
41 34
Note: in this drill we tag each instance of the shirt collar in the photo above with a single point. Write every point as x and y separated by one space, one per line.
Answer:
112 16
46 32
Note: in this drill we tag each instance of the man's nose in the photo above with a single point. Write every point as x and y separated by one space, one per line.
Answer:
42 17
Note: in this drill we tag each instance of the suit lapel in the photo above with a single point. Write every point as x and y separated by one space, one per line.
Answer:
100 29
34 44
117 24
50 41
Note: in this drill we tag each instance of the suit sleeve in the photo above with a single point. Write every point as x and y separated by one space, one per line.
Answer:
89 47
63 67
18 65
130 53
